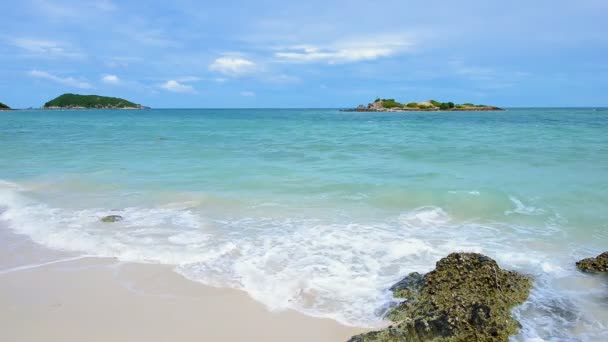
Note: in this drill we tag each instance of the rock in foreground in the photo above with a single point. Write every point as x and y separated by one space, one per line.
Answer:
466 298
597 264
111 218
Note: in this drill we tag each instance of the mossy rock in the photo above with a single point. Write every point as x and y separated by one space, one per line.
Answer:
111 218
466 298
592 265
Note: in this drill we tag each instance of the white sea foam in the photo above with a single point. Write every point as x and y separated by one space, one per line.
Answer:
523 209
31 266
339 270
424 217
472 192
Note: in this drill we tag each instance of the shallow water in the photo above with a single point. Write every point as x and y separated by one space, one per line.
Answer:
320 210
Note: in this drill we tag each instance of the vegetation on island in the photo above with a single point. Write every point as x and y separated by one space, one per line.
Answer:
76 101
391 104
4 107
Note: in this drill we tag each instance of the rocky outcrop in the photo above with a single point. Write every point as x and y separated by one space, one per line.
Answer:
593 265
466 298
390 105
111 218
377 106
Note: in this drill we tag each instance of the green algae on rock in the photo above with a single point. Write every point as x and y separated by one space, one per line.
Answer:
111 218
597 264
466 298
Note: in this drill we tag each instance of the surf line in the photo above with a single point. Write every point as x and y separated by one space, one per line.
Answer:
28 267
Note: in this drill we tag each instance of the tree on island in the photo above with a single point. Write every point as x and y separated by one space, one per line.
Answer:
90 101
3 106
383 105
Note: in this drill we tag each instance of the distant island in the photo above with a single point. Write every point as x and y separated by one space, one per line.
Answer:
4 107
390 105
76 101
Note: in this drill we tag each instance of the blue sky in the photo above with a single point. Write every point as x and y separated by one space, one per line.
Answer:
305 54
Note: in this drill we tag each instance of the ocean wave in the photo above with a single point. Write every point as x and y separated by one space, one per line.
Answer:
523 209
334 269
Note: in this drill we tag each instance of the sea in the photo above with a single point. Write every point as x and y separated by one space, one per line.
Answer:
318 210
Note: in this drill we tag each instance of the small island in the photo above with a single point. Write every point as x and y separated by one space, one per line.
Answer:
390 105
4 107
76 101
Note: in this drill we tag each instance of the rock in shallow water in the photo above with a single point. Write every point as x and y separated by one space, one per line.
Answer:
597 264
111 218
466 298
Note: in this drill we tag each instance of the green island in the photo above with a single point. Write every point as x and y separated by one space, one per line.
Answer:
390 105
4 107
76 101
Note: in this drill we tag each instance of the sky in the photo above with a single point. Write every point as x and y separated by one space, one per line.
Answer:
239 54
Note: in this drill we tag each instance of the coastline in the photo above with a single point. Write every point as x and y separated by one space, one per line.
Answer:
292 205
70 298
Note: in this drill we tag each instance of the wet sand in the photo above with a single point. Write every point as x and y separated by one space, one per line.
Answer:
95 299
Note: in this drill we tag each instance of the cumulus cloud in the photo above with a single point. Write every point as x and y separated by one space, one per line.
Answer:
177 87
247 93
355 50
45 48
67 81
232 66
110 79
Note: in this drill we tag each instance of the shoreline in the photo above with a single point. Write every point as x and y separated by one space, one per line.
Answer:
81 298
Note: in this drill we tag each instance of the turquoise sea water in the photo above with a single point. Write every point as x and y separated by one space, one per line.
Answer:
319 210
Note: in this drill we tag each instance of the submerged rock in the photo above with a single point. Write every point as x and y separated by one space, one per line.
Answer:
597 264
466 298
111 218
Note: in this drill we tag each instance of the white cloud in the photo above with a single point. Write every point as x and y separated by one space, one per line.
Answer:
248 93
46 48
315 54
72 9
67 81
354 50
188 79
232 66
110 79
177 87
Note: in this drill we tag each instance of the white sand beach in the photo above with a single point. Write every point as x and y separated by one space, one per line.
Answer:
94 299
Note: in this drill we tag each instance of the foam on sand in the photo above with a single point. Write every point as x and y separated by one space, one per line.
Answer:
334 269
